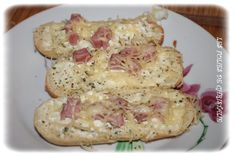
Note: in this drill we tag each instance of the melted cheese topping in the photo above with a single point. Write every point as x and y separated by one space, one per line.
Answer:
67 77
85 127
124 32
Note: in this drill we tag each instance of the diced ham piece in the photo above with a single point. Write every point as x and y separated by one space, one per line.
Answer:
140 117
129 59
68 108
73 38
149 53
156 108
116 120
125 60
115 62
76 17
134 67
77 107
72 101
98 117
101 37
81 56
129 52
66 111
159 104
122 103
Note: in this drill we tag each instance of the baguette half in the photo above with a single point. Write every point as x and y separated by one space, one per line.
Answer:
66 77
147 114
52 40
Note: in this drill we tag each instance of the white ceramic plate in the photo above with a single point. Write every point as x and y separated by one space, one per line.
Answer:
26 74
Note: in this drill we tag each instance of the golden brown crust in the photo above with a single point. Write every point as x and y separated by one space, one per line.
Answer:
48 88
39 45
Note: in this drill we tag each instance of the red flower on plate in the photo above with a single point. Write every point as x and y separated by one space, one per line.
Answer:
187 70
213 103
190 89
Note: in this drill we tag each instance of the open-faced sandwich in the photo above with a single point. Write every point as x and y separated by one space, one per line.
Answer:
54 40
111 81
137 66
116 115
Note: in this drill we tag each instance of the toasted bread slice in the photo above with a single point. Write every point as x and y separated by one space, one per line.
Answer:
52 40
66 77
145 114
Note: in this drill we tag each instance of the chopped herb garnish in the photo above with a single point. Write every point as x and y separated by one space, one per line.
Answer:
66 129
92 85
86 73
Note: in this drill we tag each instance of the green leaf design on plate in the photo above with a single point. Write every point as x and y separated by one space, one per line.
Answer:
129 146
202 137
